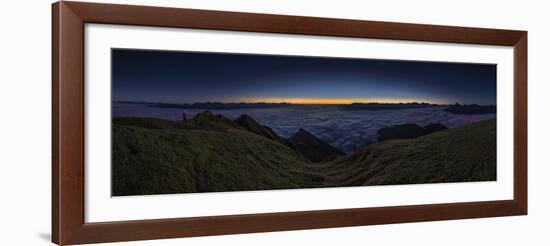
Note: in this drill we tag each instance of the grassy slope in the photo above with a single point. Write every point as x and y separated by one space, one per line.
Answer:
456 155
172 160
312 147
251 125
156 157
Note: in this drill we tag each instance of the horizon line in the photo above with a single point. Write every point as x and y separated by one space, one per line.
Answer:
298 103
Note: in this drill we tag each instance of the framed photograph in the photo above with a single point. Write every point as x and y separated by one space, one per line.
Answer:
174 122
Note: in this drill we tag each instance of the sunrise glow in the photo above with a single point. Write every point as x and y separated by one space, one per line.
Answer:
337 101
170 77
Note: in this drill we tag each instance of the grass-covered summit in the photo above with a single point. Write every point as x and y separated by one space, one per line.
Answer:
210 153
455 155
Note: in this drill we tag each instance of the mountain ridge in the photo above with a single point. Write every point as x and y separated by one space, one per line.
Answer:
211 154
312 147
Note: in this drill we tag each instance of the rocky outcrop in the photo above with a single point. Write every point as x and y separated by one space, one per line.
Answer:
207 120
312 147
249 124
305 143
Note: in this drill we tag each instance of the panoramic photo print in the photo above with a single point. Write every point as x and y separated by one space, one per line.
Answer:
187 122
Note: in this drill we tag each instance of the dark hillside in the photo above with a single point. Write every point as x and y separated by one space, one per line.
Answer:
211 153
208 121
406 131
149 123
455 155
311 147
251 125
147 161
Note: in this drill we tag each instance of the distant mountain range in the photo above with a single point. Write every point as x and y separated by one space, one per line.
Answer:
385 106
471 109
213 153
455 108
210 105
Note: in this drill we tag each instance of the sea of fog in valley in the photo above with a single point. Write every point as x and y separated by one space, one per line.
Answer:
347 130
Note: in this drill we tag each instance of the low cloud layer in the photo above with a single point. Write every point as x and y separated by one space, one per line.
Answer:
343 129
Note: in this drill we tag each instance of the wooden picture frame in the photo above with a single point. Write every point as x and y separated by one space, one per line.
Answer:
68 224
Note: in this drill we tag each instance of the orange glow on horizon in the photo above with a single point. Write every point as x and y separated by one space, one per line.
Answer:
336 101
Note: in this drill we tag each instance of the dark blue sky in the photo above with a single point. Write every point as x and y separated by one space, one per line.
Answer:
187 77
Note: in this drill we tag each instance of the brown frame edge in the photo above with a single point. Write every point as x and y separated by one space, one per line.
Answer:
68 224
